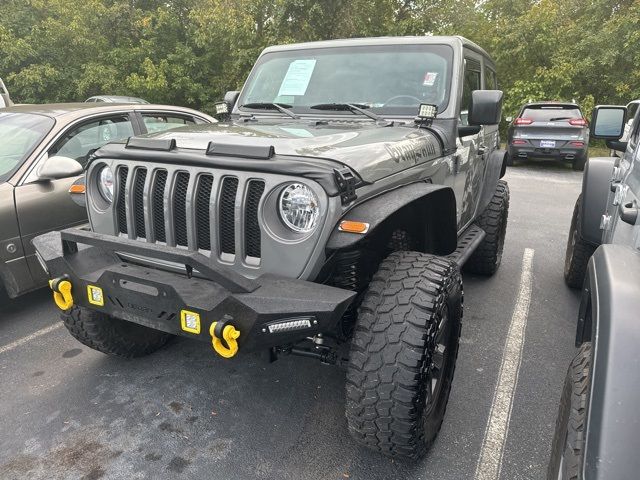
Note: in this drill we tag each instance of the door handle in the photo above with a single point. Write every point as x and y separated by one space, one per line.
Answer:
628 213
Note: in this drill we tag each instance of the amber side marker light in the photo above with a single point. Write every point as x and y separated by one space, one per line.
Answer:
77 189
353 227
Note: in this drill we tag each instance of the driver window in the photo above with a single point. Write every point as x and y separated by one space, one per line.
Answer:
79 141
472 77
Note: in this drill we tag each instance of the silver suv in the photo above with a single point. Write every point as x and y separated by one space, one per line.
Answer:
332 208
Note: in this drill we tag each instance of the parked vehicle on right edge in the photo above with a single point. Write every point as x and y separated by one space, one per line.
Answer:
632 108
597 433
5 99
549 130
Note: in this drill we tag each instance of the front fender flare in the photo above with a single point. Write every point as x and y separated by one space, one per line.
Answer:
595 194
422 195
613 289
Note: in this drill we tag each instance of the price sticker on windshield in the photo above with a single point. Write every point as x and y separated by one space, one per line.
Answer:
297 79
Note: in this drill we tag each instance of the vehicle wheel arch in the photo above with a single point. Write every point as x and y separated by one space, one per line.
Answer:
398 209
596 182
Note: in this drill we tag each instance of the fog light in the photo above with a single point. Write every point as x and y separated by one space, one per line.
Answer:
190 321
95 295
291 324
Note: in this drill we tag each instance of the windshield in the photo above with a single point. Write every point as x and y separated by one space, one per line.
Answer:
20 133
390 79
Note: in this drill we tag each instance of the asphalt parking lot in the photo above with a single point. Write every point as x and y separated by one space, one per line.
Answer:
70 412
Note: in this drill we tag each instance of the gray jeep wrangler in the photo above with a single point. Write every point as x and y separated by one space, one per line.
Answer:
333 207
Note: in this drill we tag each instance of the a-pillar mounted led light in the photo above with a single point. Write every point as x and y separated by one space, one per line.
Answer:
426 113
222 109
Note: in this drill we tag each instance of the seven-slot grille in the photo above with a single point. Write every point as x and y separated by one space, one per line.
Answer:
202 211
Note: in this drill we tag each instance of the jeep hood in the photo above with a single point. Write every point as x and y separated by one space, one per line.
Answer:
371 150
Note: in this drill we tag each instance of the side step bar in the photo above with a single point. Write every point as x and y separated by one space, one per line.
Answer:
467 243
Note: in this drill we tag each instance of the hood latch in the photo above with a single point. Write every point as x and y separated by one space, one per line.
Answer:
347 182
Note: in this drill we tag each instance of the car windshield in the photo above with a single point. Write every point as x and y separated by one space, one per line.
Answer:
389 79
551 113
20 133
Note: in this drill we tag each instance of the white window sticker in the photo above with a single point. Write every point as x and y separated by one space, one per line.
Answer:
297 78
430 79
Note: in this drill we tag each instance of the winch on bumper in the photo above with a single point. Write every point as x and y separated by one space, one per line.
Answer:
267 312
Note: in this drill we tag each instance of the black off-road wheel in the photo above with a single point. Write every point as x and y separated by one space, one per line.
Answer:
567 450
403 354
486 259
111 335
578 251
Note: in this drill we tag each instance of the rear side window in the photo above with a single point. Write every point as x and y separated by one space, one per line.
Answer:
551 114
158 122
490 82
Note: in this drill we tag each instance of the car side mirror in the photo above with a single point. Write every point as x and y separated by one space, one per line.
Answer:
57 167
608 121
486 107
230 98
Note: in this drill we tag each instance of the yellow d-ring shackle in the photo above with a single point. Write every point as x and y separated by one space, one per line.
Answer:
230 335
61 293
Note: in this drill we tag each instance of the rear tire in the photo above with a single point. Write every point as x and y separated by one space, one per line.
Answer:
486 259
567 450
579 163
403 354
578 251
111 335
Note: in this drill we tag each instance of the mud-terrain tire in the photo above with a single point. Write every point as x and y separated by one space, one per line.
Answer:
578 251
486 259
111 335
403 354
510 160
567 450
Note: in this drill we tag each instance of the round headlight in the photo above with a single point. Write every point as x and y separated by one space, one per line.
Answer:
105 183
299 208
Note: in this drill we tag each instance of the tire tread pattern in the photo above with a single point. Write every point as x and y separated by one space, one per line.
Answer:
389 349
576 260
110 335
485 260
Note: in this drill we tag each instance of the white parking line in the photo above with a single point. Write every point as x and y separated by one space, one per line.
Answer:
28 338
490 461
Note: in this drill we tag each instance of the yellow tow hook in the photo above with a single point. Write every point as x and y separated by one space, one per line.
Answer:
229 336
61 287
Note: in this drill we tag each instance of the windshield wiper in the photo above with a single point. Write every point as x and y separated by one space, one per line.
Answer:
271 106
348 107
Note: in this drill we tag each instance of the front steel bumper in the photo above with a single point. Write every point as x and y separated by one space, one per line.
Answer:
158 299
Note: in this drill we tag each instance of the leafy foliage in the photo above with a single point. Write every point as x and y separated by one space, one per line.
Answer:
189 52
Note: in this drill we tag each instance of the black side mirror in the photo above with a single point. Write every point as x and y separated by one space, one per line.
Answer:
230 98
486 107
608 121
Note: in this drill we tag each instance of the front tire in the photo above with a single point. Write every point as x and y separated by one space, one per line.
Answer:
567 450
487 257
403 354
111 335
578 251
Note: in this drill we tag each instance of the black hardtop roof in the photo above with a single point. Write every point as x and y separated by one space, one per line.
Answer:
453 40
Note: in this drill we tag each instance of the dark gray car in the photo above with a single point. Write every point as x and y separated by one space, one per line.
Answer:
43 150
597 434
549 130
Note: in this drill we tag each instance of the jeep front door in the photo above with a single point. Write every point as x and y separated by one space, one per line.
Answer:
468 158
